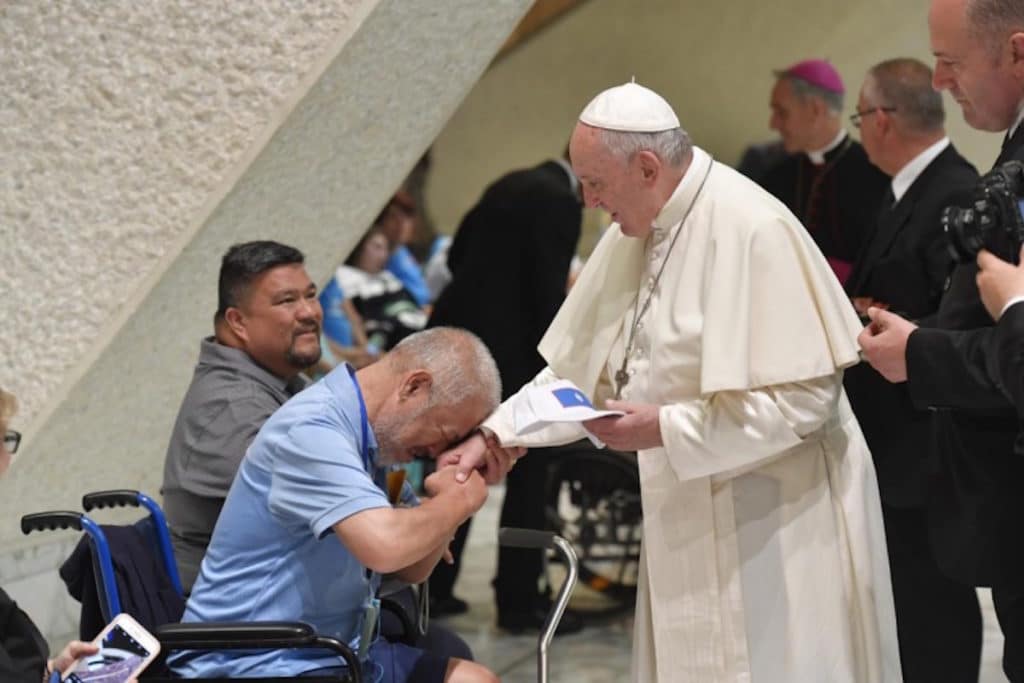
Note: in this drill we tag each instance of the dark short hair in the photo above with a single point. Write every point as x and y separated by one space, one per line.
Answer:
243 263
906 85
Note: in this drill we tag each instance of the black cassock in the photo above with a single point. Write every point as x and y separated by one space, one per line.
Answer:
836 201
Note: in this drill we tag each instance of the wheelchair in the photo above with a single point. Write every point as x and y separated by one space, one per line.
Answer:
592 500
177 636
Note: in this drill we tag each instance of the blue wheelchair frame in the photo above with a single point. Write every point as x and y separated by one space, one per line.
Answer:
190 636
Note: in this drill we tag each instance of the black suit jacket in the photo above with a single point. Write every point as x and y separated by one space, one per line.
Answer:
905 264
976 511
845 204
510 262
1007 361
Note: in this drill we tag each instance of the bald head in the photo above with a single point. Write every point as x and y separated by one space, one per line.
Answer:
994 20
460 364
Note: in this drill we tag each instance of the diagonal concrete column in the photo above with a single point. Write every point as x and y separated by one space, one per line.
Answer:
139 142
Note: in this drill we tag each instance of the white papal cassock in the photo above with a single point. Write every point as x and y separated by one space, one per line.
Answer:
764 555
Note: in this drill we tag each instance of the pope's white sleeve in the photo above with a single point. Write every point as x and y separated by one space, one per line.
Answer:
502 423
734 431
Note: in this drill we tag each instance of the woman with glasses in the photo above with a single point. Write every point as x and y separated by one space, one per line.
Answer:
23 651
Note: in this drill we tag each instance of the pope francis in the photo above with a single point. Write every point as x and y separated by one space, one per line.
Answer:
709 317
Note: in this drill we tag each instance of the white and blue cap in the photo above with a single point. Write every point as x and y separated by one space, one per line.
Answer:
632 108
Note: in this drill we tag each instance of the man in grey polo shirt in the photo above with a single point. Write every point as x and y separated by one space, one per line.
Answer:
266 332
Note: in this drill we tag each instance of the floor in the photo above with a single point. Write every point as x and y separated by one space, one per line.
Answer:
600 652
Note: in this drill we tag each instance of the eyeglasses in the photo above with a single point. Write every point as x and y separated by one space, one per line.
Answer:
11 440
857 116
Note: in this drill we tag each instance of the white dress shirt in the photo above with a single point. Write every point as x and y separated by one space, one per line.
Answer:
1016 124
906 176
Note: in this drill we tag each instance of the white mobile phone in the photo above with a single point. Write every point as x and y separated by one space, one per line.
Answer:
126 648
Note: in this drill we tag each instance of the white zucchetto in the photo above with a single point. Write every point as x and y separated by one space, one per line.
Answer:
632 108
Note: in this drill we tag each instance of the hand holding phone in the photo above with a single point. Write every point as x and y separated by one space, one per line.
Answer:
125 650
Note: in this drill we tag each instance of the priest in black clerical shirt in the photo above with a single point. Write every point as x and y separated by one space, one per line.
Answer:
826 180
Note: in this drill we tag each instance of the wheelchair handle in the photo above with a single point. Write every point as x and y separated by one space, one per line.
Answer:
132 498
112 498
50 521
543 540
526 538
63 519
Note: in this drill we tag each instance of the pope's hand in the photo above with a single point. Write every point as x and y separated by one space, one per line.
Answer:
478 453
884 343
999 281
638 429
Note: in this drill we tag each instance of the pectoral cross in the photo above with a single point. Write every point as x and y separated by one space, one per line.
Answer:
621 379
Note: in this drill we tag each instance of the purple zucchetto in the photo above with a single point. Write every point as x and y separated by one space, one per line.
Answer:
817 72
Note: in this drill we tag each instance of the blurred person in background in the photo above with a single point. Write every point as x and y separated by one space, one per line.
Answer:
827 181
509 262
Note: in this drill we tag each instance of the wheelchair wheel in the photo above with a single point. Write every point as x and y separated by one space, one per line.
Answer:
593 501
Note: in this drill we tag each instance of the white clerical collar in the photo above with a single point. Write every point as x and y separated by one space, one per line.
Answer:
574 182
1016 124
817 156
906 176
685 193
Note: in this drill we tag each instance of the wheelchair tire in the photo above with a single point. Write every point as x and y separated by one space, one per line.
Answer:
592 499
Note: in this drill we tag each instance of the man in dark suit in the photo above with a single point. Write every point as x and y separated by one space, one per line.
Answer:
510 265
1002 289
826 180
902 267
976 511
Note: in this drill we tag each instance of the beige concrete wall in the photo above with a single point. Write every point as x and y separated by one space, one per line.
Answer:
711 60
122 125
140 140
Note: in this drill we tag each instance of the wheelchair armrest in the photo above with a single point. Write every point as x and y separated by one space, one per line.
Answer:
235 635
259 635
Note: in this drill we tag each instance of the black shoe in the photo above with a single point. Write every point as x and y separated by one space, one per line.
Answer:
533 621
447 606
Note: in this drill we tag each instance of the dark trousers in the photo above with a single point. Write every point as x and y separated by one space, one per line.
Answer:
1009 604
439 640
938 620
442 579
515 584
520 570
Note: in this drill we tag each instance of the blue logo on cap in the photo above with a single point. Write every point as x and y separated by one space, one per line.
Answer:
571 397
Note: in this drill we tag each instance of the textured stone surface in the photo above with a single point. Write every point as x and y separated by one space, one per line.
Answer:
118 242
119 121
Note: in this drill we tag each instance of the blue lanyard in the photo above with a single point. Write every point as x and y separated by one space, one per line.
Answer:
364 424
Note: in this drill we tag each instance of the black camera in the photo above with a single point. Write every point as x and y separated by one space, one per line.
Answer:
993 221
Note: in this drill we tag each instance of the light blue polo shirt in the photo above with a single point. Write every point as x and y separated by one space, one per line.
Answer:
273 555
